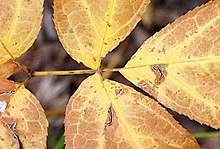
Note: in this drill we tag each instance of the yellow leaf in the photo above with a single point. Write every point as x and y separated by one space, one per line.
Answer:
19 25
107 114
89 29
180 65
31 123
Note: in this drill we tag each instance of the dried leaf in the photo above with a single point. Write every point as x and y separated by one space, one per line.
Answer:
7 139
107 114
89 29
7 89
19 25
8 68
179 66
31 123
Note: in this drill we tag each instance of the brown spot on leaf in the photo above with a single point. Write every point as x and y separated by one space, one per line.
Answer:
119 92
160 72
111 123
152 50
148 87
108 24
109 118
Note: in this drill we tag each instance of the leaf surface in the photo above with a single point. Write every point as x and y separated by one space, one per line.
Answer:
179 66
7 89
31 124
107 114
19 25
8 68
7 139
88 29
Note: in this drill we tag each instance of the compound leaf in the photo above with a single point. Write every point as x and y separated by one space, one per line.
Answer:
180 65
19 25
88 29
107 114
24 118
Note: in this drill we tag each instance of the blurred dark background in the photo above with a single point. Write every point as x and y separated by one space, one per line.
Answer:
53 92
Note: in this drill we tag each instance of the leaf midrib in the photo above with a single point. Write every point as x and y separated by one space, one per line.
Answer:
186 42
185 61
119 112
195 93
13 25
105 31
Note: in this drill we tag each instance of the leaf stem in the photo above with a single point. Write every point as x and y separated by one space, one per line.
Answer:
199 135
111 69
60 73
21 66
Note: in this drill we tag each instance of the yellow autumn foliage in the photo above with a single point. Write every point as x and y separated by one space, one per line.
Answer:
23 123
25 111
179 67
107 114
89 29
185 57
20 22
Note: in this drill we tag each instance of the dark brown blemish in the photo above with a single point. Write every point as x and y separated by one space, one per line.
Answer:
110 118
133 57
164 50
119 93
160 72
108 24
152 50
8 92
14 44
